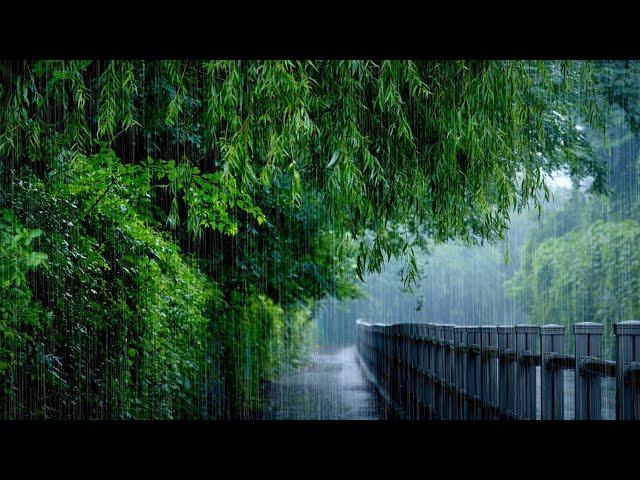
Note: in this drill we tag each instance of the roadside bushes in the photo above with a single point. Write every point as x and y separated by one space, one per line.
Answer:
258 340
104 316
127 315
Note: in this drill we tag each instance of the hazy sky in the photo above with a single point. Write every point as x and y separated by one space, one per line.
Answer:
559 180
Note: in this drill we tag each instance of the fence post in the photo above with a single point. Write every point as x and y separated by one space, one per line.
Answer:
371 360
551 378
460 335
399 390
588 397
430 369
488 370
456 377
367 338
402 372
410 371
627 369
506 371
438 371
400 386
526 348
414 370
408 332
388 367
380 366
391 365
448 356
421 369
473 372
403 381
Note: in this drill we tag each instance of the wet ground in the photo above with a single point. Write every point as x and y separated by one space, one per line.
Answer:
331 387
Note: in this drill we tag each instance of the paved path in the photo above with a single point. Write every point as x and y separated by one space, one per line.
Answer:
332 387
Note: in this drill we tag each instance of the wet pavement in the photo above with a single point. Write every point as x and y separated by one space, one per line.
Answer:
331 387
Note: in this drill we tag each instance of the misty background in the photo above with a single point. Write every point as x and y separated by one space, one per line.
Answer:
576 260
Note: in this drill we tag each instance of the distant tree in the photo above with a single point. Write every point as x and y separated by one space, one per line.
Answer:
591 274
580 263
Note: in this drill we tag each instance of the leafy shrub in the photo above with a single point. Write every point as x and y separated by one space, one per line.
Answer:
129 314
22 320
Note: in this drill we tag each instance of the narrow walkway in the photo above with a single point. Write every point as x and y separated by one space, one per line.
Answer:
332 387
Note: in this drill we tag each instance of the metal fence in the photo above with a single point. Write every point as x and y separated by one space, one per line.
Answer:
432 371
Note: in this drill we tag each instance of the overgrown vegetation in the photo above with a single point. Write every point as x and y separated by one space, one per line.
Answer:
581 263
168 226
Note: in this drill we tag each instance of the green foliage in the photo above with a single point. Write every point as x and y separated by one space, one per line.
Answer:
169 356
261 339
129 315
193 212
22 321
580 262
448 148
588 275
618 81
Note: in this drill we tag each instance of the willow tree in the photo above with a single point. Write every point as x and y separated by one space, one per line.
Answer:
447 147
268 171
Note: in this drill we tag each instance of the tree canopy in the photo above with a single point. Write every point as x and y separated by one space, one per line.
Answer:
445 147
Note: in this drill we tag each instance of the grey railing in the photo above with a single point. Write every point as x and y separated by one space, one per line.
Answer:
451 372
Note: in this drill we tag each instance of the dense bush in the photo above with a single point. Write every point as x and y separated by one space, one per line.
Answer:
121 324
23 354
129 314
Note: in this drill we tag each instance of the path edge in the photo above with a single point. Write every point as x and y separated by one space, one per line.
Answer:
396 410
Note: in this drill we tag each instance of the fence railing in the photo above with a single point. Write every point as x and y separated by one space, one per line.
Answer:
485 373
